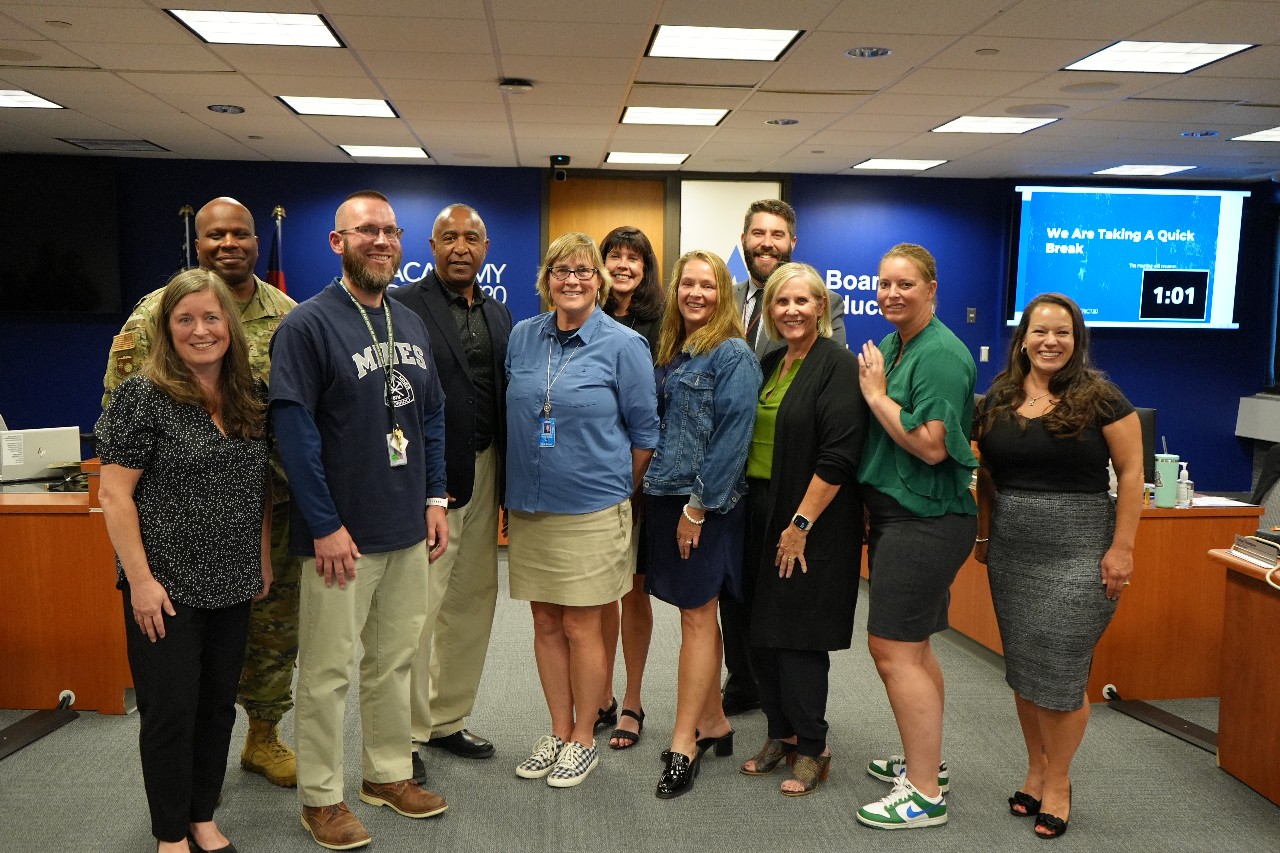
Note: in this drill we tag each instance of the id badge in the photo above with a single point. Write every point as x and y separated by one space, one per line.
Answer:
397 448
546 432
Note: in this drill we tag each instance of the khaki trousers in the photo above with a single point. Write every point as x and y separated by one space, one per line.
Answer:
384 607
462 594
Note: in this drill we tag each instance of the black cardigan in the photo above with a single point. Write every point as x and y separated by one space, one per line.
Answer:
821 428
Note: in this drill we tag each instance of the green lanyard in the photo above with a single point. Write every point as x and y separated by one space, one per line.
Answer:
385 364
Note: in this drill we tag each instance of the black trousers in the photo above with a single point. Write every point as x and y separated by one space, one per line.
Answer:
735 616
793 695
185 685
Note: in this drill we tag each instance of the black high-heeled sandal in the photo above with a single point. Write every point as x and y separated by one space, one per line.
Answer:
606 717
678 778
1030 805
1057 826
629 739
723 744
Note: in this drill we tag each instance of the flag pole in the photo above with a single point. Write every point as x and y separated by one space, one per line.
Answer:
186 213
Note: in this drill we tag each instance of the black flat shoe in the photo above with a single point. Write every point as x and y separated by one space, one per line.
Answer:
606 717
1030 805
723 744
678 777
463 743
196 848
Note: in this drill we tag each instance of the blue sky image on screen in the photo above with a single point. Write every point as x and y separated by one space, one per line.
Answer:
1104 248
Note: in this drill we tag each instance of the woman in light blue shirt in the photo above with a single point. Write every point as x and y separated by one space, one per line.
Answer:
581 426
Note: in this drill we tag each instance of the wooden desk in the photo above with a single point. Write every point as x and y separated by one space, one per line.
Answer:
1248 729
1166 638
61 620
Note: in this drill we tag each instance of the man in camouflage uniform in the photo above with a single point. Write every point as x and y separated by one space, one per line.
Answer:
226 244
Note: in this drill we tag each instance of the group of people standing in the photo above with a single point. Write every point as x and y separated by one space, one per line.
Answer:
709 443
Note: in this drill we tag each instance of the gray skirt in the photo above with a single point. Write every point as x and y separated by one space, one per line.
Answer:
1044 563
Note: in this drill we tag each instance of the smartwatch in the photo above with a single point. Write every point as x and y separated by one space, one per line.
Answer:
801 522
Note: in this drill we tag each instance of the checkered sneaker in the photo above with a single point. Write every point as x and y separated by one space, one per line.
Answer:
545 754
889 769
904 808
575 764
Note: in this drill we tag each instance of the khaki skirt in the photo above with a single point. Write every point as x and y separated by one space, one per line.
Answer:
575 560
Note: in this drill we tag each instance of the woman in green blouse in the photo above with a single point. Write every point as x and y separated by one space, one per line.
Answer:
915 472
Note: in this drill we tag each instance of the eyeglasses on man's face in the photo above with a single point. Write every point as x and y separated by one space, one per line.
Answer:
371 232
581 273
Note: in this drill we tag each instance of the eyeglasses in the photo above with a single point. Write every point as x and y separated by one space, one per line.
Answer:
582 273
371 232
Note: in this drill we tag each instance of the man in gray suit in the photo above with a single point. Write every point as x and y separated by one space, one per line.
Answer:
768 236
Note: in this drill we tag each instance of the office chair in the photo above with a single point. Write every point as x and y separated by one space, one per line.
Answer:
1267 495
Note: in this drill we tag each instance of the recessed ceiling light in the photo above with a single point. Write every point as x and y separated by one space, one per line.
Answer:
1136 170
1272 135
115 145
890 164
992 124
673 115
402 152
258 28
366 107
1198 134
867 52
782 122
17 98
228 109
651 158
1156 57
721 43
515 85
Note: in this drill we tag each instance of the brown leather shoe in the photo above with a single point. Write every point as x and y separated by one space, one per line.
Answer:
404 797
335 827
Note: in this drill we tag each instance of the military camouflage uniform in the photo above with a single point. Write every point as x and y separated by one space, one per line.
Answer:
272 647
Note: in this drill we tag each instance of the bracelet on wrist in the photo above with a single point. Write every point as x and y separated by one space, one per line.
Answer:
981 540
684 510
444 502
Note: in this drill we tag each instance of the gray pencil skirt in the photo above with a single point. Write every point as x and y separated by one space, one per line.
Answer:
1044 563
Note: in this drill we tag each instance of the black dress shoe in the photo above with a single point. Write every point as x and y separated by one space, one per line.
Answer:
735 703
678 778
463 743
196 848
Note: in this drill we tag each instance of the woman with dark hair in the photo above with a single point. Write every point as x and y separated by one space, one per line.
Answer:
915 473
1058 548
184 494
707 378
804 523
634 300
581 426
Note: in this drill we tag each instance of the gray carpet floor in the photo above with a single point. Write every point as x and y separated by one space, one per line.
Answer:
1136 789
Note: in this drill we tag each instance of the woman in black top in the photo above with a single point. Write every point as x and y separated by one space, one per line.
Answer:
636 301
184 494
1058 548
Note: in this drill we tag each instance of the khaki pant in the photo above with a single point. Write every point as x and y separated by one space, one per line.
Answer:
463 590
384 607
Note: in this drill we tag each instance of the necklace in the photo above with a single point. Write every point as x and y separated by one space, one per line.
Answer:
1032 402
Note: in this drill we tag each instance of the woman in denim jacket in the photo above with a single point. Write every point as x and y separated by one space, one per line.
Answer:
707 381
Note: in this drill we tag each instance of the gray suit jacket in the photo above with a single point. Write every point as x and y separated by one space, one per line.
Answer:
760 341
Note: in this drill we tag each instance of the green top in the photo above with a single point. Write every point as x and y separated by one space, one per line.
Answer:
760 456
934 381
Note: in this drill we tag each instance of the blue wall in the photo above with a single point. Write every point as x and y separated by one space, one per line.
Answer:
54 365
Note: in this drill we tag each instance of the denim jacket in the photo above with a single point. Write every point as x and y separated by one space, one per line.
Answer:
705 432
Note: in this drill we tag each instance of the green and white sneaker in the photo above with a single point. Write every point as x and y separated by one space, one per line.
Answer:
904 808
889 769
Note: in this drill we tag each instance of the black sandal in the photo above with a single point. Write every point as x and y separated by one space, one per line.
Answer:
606 717
1030 805
1056 825
629 739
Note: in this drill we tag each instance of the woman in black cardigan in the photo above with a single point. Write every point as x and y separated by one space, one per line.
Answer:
804 528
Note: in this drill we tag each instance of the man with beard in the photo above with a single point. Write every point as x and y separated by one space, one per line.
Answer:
768 237
226 243
469 332
359 416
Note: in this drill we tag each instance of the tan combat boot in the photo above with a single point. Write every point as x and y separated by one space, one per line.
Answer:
265 753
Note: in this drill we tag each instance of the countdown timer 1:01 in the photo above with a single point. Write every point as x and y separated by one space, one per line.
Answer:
1174 294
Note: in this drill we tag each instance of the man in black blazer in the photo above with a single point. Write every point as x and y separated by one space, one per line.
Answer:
469 331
